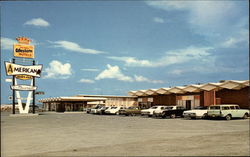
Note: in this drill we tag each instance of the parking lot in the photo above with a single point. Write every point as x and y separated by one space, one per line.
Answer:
81 134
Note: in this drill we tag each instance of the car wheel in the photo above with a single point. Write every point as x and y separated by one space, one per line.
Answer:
204 116
163 116
172 116
245 116
228 117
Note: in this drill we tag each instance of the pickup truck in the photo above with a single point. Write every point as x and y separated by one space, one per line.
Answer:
174 112
227 111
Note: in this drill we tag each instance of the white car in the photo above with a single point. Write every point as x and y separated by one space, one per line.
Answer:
149 112
94 110
102 110
114 110
158 113
197 112
227 111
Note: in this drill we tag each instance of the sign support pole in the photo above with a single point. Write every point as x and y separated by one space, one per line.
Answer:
13 91
34 95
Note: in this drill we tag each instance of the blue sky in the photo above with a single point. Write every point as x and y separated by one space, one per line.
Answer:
112 47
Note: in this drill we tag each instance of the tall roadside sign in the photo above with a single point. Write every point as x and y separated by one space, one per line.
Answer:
28 70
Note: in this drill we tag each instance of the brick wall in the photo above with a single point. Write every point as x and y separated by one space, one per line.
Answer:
164 99
240 97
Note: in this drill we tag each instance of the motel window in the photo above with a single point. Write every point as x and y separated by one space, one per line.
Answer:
150 99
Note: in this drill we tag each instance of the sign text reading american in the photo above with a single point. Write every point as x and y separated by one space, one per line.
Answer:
15 69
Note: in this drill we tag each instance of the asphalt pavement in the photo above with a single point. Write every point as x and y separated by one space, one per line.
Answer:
81 134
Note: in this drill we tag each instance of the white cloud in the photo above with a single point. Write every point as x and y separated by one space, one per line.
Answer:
68 45
158 20
58 70
86 81
241 37
37 22
113 72
92 70
132 61
170 57
205 14
144 79
206 69
217 20
177 72
7 44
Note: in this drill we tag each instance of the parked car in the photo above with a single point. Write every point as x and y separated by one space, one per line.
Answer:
102 110
197 112
130 111
113 110
88 110
149 112
178 112
94 110
227 111
158 113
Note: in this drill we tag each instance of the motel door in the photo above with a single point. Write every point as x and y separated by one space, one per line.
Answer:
188 104
60 107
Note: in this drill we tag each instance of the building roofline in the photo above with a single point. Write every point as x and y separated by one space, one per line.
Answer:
111 96
198 87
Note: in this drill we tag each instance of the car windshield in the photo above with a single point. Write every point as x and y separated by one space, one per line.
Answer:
214 107
113 107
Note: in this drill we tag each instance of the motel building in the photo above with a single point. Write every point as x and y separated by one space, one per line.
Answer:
80 102
188 96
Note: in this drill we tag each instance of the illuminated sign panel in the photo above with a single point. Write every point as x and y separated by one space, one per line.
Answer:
24 51
23 87
15 69
24 77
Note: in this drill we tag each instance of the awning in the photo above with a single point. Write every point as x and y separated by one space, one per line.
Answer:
72 99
